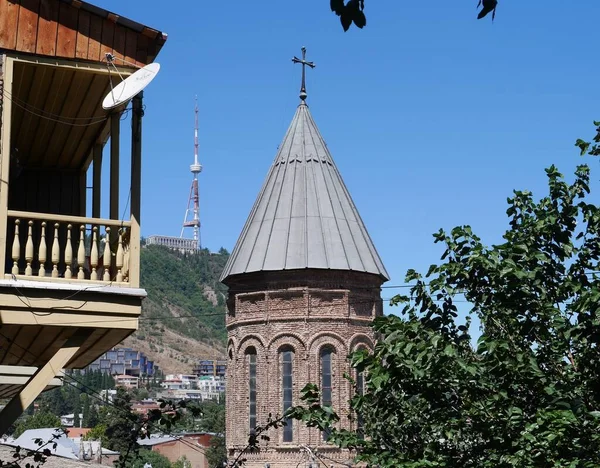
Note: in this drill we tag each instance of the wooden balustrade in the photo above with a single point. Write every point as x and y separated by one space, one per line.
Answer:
99 255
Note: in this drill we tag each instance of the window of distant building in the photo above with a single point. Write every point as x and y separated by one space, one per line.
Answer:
287 359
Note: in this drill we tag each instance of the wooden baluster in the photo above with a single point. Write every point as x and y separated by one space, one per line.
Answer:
106 260
29 250
119 259
68 254
94 254
55 252
43 251
81 252
16 249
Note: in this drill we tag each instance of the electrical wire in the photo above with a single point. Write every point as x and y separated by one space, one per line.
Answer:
126 412
143 319
96 395
268 310
196 316
322 456
10 96
41 116
371 301
27 300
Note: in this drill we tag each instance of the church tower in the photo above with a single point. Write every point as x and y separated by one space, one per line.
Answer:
304 285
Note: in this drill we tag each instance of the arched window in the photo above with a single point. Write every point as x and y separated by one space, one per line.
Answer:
287 359
251 358
360 390
326 380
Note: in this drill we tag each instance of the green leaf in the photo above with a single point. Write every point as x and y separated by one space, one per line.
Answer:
583 146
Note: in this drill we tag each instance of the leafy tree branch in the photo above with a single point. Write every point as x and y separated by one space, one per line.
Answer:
525 394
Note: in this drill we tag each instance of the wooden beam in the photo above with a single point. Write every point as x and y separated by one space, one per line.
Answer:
38 382
19 375
7 70
136 156
136 190
90 67
94 307
115 127
66 218
97 180
11 317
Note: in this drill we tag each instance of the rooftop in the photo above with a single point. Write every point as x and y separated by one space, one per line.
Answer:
7 451
304 216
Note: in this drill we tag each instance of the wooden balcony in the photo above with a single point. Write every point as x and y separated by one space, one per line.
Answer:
71 258
73 249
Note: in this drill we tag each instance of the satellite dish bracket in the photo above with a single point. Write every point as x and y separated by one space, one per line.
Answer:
130 86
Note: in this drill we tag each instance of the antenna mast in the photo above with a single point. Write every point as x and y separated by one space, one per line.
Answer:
194 198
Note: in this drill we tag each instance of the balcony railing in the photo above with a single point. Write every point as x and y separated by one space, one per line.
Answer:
70 248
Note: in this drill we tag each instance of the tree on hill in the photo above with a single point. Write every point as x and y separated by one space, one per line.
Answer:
527 394
120 423
92 418
216 454
182 462
98 432
85 409
145 456
77 412
177 285
40 420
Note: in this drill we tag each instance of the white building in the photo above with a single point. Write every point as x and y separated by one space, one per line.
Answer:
126 381
68 420
108 395
180 382
181 394
192 387
211 387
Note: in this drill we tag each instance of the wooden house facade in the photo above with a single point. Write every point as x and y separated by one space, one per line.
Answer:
70 287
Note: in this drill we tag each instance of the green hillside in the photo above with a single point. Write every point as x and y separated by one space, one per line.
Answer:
183 285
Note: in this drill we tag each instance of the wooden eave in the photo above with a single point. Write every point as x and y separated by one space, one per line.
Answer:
13 378
38 320
57 113
73 29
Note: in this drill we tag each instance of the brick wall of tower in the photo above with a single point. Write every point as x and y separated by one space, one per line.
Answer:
305 311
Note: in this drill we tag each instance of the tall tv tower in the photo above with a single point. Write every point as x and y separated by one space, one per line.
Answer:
194 198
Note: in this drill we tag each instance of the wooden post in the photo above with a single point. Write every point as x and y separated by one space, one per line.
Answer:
55 252
68 254
97 180
136 191
115 128
115 138
106 259
29 250
7 70
94 257
43 251
16 249
83 193
40 380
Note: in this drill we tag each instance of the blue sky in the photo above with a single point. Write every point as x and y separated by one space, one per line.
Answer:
432 117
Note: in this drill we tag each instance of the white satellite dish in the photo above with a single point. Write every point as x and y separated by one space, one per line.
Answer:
130 86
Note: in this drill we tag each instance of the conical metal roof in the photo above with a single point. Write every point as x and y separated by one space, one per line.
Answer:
304 216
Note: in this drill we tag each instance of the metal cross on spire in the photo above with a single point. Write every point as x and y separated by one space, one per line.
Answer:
304 64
